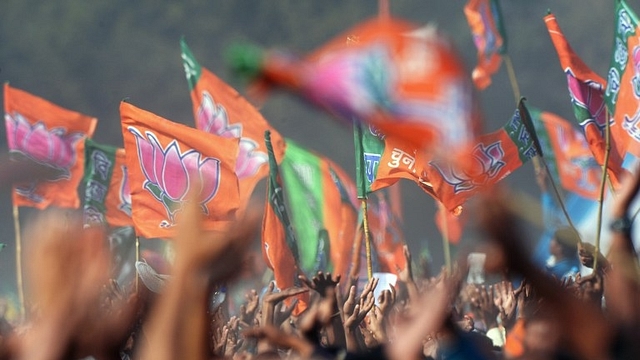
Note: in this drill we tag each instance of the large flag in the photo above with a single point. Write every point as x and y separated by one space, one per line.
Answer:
107 197
495 156
485 21
386 234
623 79
165 160
279 246
219 109
586 89
567 155
408 82
316 193
42 132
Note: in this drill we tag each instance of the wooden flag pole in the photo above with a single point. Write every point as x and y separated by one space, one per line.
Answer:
607 152
445 238
18 238
136 261
367 238
383 9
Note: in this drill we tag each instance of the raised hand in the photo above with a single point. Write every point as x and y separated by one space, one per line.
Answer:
482 298
504 298
386 300
320 282
248 310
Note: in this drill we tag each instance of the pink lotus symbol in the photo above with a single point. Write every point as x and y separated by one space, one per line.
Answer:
54 148
171 173
213 119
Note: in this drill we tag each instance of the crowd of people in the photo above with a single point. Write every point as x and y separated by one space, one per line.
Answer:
77 311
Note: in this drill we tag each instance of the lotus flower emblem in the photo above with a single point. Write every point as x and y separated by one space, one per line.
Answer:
170 173
54 148
213 119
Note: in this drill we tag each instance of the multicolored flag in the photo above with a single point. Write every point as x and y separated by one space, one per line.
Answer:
314 194
586 89
567 155
279 246
485 20
107 196
165 161
496 155
221 110
42 132
407 82
623 79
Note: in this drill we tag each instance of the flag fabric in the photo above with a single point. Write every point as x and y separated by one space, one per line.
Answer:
407 82
623 78
567 155
221 110
386 233
485 21
496 155
107 196
586 89
279 247
165 160
322 212
42 132
450 223
369 147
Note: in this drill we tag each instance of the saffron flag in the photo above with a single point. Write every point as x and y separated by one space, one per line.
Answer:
386 234
586 89
107 196
165 160
567 155
314 195
221 110
495 156
485 21
623 79
47 134
279 247
450 224
408 82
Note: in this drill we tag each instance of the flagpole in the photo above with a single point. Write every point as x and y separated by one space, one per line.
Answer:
383 9
136 261
355 254
445 238
367 237
18 238
605 164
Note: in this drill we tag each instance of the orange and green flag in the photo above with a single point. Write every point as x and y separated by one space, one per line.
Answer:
107 196
279 246
47 134
221 110
408 82
586 89
485 21
623 78
167 163
567 155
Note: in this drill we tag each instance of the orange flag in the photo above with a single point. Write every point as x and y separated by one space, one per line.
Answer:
386 234
220 110
118 204
165 160
42 132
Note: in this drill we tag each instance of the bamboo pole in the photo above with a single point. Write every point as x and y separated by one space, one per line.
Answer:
367 238
18 239
135 262
605 165
446 248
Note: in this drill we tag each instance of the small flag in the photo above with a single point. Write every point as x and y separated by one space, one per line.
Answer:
42 132
485 21
165 160
221 110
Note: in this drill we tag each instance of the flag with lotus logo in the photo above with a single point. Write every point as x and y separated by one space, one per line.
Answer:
279 246
586 89
107 196
47 134
623 78
169 163
221 110
407 81
485 21
567 155
320 201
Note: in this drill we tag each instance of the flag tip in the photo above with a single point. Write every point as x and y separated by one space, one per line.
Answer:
125 99
548 11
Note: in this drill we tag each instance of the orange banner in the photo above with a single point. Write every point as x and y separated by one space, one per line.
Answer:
165 160
42 132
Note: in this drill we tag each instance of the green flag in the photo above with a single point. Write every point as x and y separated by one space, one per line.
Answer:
369 147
